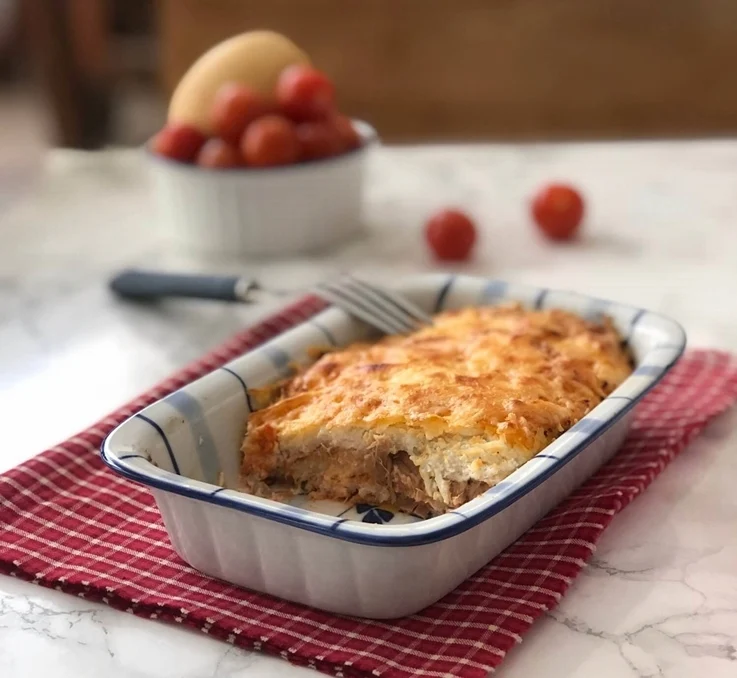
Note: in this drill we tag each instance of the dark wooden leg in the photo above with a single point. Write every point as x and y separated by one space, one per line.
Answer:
68 42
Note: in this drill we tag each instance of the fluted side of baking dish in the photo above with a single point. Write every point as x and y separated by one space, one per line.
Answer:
362 561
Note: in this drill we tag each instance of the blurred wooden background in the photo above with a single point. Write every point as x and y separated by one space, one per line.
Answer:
498 69
488 69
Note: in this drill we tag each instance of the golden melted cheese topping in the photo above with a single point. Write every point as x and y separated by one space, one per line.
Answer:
517 375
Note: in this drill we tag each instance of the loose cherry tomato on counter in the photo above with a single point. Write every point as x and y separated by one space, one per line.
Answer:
317 140
234 107
558 210
451 235
178 142
304 93
346 132
217 153
269 141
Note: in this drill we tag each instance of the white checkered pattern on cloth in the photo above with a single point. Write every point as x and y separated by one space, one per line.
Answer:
69 523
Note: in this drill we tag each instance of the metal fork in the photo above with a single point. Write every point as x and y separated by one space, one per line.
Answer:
385 310
388 311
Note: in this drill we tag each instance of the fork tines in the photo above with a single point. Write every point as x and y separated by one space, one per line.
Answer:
388 311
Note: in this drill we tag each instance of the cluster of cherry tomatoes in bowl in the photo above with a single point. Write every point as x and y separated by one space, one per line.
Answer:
299 123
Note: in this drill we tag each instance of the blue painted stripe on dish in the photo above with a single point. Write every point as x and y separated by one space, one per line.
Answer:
634 321
648 371
160 431
279 357
540 299
444 290
328 334
587 426
337 524
133 456
190 408
220 489
545 456
494 289
243 384
618 397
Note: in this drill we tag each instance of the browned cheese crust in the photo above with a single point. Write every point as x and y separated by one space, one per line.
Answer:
428 421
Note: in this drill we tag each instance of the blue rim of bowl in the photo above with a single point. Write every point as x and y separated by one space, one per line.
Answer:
428 531
369 137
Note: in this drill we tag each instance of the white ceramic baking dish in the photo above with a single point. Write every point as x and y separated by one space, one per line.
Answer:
363 561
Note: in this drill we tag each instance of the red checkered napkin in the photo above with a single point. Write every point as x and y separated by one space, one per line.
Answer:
68 522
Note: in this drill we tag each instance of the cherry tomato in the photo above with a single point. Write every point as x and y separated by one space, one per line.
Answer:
558 210
318 140
451 235
234 107
304 93
346 132
217 153
268 141
178 142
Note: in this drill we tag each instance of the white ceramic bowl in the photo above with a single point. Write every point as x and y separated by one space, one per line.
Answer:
362 561
253 212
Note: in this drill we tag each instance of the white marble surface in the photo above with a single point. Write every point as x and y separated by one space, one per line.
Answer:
660 596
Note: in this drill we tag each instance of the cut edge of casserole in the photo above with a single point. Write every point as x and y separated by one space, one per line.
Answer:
428 421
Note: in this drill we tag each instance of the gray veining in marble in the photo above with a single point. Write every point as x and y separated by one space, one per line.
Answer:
660 596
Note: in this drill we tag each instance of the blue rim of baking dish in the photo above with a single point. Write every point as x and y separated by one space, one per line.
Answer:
525 479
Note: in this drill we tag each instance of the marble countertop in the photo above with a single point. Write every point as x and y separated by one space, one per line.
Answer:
659 597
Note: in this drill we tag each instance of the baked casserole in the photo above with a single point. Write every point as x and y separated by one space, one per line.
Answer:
428 421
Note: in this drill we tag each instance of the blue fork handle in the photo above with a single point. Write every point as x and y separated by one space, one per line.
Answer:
137 284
